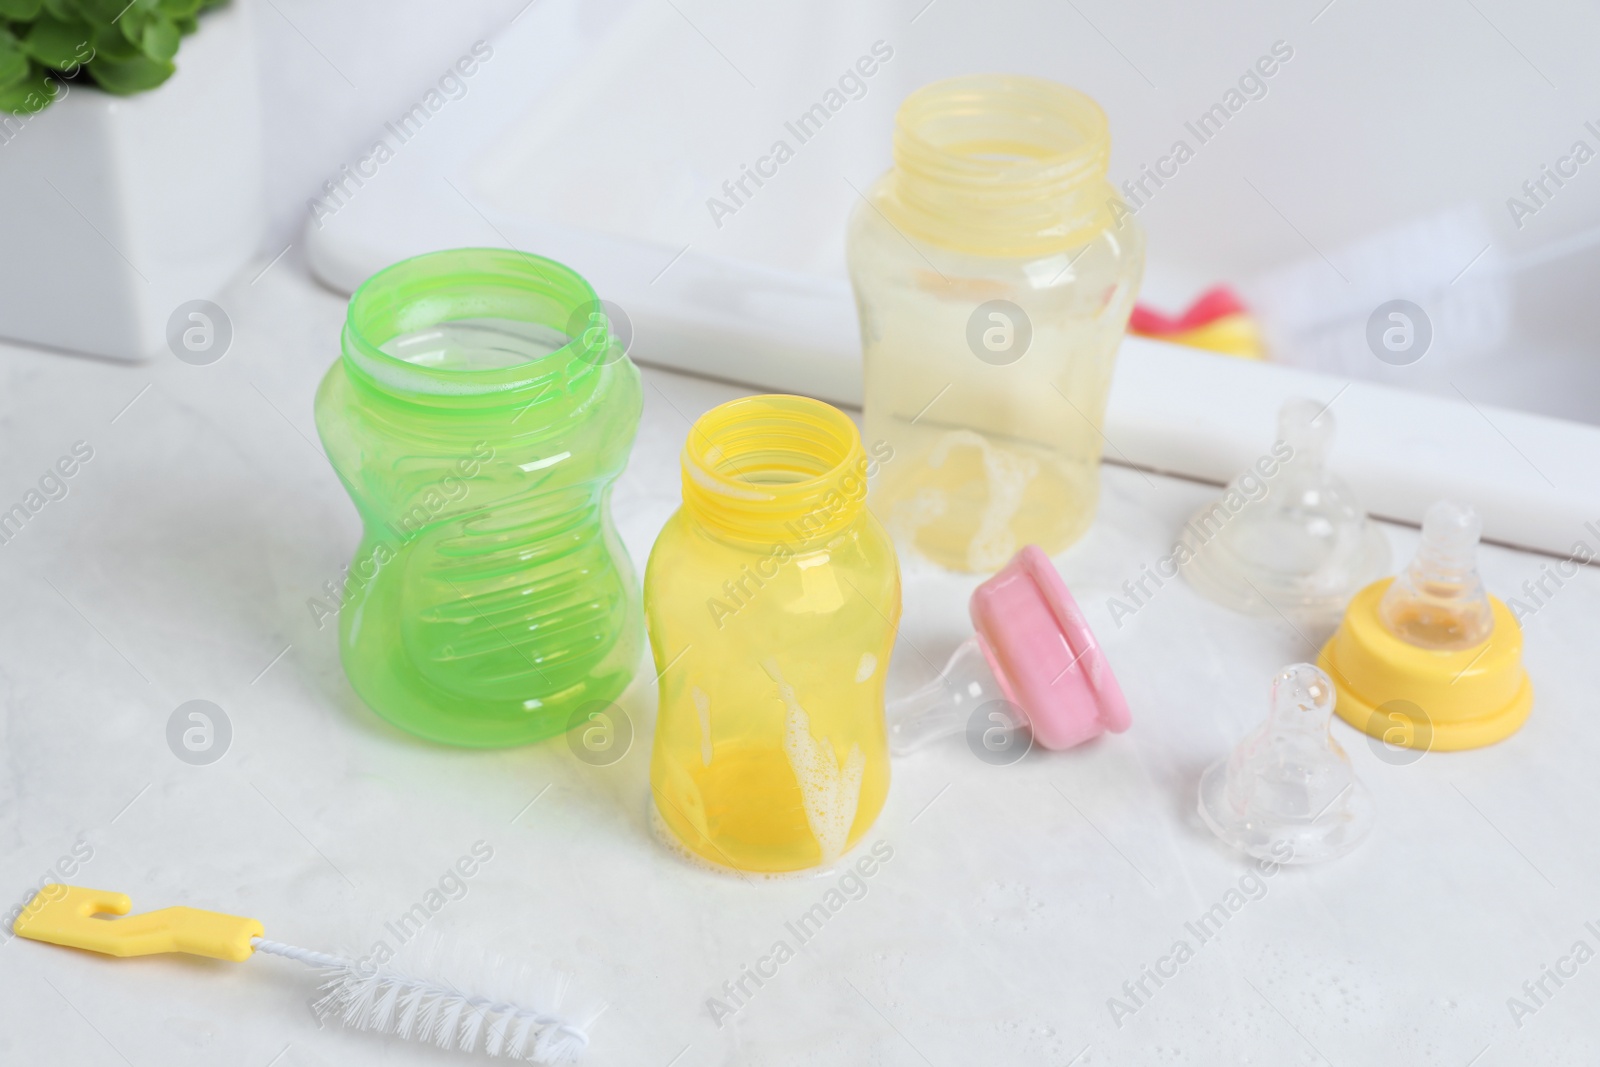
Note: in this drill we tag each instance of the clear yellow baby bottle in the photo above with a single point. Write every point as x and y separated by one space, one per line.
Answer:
771 599
994 270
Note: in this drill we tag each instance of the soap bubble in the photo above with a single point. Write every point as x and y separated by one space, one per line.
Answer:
599 733
998 733
199 732
1399 333
1399 733
199 332
999 332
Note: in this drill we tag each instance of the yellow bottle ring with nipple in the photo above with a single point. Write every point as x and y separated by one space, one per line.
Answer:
1428 659
1426 698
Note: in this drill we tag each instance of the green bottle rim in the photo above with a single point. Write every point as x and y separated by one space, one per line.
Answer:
462 283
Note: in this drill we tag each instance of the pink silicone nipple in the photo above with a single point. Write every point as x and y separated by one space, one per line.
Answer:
1040 657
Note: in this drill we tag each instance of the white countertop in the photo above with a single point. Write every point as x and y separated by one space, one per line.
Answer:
1018 899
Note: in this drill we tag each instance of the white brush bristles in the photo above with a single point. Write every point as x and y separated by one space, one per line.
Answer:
380 1000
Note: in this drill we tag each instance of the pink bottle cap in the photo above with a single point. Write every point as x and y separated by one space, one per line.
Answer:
1044 655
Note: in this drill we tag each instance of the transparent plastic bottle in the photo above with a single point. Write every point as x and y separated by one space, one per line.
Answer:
994 270
478 416
771 598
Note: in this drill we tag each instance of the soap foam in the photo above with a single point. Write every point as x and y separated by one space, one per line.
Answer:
1007 474
829 790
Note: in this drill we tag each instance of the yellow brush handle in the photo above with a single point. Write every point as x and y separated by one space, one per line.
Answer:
66 915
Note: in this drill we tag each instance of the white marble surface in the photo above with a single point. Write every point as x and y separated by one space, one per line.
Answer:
1018 899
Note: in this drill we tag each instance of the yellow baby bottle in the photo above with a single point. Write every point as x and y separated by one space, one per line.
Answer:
771 598
994 270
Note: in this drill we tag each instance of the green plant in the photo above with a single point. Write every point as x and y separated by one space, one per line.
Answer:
125 46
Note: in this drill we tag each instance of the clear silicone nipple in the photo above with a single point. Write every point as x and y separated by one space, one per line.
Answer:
1439 600
1287 536
1288 792
945 705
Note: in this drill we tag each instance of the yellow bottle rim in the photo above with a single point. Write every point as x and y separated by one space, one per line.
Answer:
774 469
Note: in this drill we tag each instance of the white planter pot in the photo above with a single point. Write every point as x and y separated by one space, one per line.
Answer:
114 211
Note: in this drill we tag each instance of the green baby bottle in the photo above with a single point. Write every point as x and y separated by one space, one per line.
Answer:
480 411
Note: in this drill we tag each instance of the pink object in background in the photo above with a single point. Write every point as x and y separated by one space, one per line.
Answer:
1033 650
1215 303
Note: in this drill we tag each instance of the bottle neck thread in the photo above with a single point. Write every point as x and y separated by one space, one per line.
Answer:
774 470
1000 165
476 284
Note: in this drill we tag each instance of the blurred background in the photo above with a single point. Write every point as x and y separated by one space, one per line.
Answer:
1412 152
334 71
1321 159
